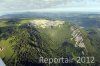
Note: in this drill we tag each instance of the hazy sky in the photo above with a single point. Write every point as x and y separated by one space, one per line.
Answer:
49 5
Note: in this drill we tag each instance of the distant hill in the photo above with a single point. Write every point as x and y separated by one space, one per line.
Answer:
61 15
82 19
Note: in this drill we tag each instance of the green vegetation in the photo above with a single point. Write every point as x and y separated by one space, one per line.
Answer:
23 43
94 36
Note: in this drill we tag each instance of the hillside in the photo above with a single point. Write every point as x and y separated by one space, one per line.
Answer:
23 41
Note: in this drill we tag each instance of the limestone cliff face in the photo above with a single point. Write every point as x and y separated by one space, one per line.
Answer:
43 23
77 37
